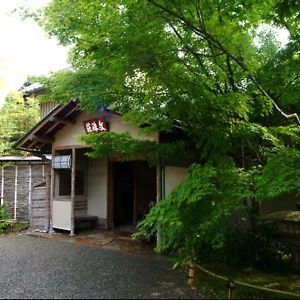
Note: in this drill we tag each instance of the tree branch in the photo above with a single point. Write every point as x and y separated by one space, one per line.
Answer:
211 39
230 74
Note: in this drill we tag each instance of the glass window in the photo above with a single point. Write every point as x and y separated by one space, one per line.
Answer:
65 182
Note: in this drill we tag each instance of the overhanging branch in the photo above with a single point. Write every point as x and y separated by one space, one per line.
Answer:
202 32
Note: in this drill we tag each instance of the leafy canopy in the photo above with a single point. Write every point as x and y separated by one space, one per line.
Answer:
16 118
195 65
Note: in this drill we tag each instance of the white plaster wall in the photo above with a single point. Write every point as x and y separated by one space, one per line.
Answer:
174 176
97 188
70 134
62 215
117 125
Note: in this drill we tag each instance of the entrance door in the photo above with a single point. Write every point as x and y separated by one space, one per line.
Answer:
134 189
145 189
123 173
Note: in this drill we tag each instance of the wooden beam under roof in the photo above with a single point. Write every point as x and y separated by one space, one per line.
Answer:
62 120
41 139
56 124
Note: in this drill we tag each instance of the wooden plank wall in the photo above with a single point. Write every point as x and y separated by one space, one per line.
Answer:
16 183
39 208
81 206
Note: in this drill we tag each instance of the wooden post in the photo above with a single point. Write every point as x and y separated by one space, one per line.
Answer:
30 192
73 175
231 287
135 204
16 192
162 194
48 203
52 194
43 170
2 185
110 196
191 280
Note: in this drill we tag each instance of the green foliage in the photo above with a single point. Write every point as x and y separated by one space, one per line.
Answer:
66 85
128 148
281 175
107 143
197 75
16 118
257 247
193 218
3 219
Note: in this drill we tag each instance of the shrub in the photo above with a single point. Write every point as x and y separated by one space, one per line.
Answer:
192 219
3 219
257 247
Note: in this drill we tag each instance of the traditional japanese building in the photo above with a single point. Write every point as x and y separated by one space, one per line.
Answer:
105 191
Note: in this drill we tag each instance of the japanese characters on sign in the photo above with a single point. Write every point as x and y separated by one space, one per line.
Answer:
96 125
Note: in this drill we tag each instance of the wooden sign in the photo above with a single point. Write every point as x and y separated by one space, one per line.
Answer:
95 125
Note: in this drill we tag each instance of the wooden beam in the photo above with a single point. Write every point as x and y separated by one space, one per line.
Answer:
2 185
42 139
16 192
73 174
135 200
56 124
52 194
30 192
48 202
61 120
110 196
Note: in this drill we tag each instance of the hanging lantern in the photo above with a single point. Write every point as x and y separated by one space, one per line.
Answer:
62 162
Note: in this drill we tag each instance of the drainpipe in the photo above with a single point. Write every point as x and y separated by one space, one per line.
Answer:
162 193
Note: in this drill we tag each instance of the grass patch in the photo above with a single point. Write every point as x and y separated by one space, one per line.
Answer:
288 282
15 227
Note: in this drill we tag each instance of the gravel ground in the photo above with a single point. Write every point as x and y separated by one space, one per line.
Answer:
33 267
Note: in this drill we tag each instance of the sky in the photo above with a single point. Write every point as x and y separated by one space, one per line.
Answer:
25 48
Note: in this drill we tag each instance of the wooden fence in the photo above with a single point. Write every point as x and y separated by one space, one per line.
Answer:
17 183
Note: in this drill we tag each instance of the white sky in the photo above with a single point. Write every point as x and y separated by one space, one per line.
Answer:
24 47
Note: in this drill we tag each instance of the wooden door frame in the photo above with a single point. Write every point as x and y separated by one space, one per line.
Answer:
110 191
110 195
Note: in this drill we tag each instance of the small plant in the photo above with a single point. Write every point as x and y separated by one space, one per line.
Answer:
3 219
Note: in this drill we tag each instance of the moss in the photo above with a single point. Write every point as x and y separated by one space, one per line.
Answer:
15 227
217 288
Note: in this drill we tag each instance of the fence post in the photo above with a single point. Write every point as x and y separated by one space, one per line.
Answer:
231 287
16 192
2 185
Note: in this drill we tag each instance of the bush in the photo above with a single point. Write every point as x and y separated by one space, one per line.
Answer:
191 221
3 219
257 247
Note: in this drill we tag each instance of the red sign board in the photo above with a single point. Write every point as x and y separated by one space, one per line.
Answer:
95 125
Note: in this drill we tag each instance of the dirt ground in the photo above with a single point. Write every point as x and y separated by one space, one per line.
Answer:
106 239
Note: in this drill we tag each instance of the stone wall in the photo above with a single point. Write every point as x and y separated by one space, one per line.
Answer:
17 180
